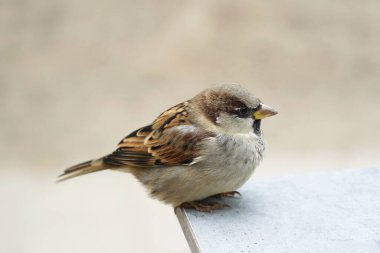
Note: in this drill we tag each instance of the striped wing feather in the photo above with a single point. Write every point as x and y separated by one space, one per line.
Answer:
170 140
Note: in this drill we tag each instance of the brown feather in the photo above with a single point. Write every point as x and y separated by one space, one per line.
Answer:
165 142
82 169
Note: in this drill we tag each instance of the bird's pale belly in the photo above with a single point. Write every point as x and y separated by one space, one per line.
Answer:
232 165
225 170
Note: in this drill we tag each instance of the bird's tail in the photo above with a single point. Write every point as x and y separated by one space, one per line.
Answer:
82 169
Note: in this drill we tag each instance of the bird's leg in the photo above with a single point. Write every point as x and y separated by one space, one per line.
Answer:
226 194
208 206
203 206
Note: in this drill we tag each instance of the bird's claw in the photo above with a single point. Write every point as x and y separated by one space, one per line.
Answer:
203 206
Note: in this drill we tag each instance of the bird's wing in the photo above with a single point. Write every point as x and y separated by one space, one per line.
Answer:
170 140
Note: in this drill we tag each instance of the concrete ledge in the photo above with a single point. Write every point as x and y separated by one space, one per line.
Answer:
320 212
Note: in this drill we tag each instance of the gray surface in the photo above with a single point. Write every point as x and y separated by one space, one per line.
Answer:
319 212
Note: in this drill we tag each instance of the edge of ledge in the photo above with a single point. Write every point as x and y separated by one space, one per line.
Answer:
188 230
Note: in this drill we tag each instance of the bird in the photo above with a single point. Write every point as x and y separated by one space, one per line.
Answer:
207 146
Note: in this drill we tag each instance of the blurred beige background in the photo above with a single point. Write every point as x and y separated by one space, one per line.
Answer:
77 76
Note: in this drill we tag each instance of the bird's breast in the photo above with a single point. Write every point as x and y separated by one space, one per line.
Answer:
231 160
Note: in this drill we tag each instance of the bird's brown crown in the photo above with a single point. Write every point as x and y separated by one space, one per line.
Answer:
225 99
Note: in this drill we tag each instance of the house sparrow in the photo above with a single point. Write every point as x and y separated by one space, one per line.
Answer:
206 146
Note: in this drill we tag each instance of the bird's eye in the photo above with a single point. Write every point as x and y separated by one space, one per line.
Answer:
243 112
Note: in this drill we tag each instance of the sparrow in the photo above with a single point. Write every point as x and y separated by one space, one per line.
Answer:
206 146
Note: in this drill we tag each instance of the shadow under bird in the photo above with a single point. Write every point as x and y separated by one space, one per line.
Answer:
206 146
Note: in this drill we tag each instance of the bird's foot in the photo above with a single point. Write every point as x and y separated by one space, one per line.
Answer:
203 206
226 194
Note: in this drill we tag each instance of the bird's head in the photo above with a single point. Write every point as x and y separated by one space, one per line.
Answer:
232 109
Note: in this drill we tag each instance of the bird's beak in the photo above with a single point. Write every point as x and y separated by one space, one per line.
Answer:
263 112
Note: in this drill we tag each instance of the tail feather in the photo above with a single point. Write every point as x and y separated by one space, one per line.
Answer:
82 169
